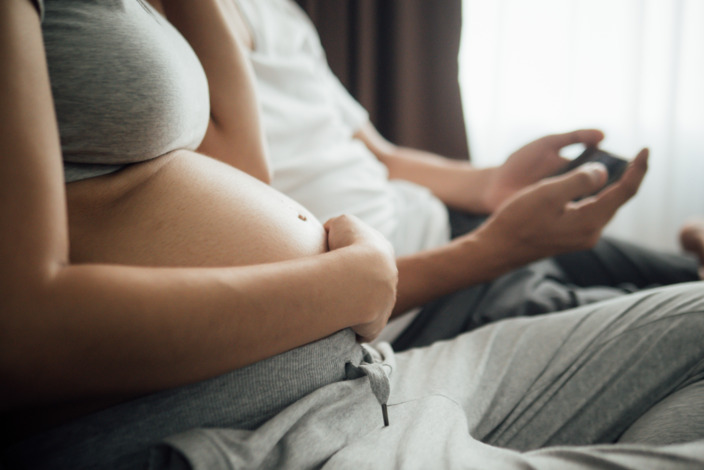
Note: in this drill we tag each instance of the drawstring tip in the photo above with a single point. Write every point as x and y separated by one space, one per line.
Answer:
385 413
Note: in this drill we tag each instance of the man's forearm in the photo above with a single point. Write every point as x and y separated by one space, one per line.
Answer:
463 262
455 182
540 221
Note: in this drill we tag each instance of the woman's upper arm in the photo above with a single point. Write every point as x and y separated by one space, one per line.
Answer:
33 234
234 134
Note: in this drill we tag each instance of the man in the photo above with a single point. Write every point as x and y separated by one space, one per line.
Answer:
328 156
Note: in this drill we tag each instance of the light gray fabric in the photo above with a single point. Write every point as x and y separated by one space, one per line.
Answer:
545 392
127 86
535 392
120 436
662 424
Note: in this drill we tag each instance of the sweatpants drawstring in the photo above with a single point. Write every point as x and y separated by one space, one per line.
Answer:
376 371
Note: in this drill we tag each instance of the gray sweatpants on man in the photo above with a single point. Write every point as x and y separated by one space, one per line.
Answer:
547 392
617 384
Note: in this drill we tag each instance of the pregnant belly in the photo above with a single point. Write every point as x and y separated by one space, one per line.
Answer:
185 209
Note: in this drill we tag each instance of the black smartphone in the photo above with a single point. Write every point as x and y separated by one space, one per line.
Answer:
614 165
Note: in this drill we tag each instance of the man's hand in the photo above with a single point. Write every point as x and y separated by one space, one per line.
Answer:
373 258
533 162
543 219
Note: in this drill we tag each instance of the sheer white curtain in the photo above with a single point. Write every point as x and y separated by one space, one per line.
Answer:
633 68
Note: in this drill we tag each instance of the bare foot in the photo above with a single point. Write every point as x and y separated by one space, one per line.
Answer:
692 240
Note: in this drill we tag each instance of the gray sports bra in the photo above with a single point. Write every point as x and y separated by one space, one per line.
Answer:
127 86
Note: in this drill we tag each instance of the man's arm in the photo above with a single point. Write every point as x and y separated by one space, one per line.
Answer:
539 221
456 183
533 215
477 190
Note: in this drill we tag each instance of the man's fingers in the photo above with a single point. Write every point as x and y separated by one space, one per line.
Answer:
606 203
589 137
582 181
624 189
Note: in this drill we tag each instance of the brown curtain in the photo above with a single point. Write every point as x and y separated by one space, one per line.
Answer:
399 59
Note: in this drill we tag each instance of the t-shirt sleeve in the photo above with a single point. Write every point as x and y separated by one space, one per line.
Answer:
353 114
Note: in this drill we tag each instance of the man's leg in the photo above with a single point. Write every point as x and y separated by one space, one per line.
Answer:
619 263
612 268
578 378
547 392
684 406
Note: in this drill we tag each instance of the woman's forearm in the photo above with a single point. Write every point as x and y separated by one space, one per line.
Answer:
92 330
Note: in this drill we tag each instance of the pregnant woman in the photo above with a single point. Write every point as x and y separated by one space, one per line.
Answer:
131 99
162 309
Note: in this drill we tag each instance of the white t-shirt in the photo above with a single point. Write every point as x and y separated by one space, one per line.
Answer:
309 121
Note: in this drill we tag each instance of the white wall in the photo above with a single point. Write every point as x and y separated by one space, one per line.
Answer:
633 68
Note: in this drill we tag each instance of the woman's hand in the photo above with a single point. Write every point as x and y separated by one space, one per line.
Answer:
373 258
533 162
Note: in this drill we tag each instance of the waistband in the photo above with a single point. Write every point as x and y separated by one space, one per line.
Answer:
241 399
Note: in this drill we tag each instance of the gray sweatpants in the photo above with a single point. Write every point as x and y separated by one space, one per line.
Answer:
611 385
554 391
